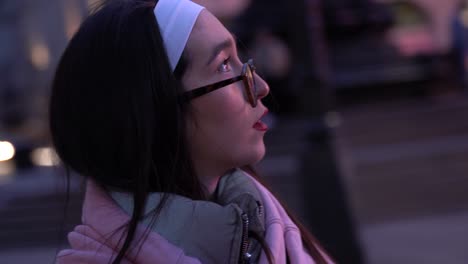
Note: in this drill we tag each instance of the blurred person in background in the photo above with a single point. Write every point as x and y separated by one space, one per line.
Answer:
459 27
266 30
151 103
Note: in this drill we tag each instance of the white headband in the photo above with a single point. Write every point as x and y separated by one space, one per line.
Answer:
176 19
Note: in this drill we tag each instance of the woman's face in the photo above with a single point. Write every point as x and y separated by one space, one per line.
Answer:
223 132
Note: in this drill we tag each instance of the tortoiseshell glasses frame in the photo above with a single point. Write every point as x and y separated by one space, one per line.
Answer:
247 76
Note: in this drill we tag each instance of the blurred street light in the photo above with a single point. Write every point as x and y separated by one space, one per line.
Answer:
43 157
7 151
40 55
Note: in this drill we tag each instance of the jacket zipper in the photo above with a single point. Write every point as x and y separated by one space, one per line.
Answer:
245 256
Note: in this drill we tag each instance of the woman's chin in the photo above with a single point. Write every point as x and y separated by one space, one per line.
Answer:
257 155
249 156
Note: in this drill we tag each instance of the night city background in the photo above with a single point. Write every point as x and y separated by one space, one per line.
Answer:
369 123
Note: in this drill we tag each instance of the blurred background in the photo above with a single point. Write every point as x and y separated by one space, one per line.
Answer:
368 140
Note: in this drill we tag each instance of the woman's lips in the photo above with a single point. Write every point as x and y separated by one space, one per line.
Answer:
260 126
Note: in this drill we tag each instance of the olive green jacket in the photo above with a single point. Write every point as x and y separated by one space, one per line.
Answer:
213 232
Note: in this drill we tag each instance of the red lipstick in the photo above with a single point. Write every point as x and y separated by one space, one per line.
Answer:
259 125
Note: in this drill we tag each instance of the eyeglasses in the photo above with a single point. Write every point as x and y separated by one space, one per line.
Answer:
247 76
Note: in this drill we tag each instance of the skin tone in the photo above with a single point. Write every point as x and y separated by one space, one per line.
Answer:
221 123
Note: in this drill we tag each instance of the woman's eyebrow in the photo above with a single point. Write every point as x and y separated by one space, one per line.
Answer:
225 44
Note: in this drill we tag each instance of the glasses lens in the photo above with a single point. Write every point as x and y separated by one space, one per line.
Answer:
252 88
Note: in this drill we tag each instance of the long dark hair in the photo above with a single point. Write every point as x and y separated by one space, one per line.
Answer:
115 113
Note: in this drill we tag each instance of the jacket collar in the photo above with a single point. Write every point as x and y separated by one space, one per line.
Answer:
189 224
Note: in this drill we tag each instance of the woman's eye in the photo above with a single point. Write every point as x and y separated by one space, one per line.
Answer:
224 67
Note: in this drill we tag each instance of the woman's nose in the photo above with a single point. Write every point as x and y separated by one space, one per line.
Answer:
263 89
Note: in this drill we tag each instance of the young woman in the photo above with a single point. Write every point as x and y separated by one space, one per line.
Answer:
151 103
